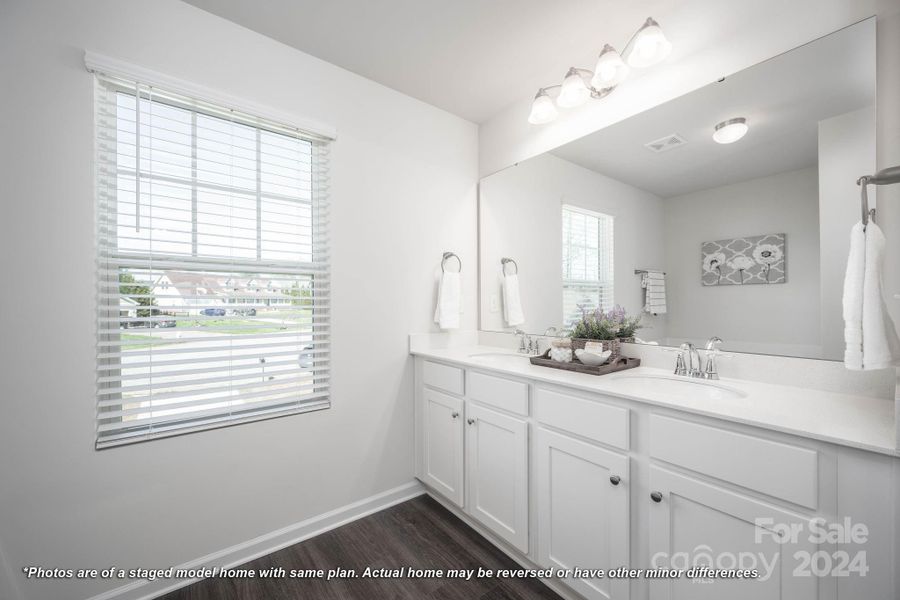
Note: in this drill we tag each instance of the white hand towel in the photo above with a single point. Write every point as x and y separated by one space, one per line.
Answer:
449 302
854 279
654 284
881 345
512 301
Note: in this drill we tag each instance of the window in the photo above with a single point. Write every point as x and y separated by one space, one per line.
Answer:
587 262
212 266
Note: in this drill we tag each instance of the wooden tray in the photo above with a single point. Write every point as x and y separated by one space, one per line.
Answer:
621 363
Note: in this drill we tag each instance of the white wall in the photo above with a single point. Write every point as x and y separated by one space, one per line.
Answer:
404 177
846 151
520 217
772 319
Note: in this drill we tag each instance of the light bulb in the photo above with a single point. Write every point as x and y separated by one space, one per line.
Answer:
650 45
542 109
730 131
611 70
573 91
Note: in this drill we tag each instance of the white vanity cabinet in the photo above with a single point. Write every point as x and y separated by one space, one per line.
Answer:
694 522
582 511
582 488
497 473
473 446
567 478
442 451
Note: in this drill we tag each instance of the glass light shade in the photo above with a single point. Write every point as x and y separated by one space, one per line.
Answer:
650 46
542 109
574 92
611 70
730 131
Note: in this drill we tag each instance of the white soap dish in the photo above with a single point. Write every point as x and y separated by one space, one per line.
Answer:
592 359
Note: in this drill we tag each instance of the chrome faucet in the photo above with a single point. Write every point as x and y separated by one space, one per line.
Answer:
693 369
712 350
679 364
522 341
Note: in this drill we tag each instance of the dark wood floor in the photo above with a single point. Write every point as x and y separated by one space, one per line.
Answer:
419 533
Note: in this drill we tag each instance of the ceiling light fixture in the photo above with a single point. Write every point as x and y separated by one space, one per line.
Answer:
730 131
648 46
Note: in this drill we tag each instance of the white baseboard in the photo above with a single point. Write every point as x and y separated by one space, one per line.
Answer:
268 543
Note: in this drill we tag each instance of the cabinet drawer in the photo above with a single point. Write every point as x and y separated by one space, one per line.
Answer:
443 377
589 418
498 392
768 467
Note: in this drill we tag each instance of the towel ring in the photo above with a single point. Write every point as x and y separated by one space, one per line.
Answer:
867 213
447 256
506 261
882 177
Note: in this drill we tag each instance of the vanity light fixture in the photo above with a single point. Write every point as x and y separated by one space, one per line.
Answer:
543 110
611 70
730 131
648 46
574 91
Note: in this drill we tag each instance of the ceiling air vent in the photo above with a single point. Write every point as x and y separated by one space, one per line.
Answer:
666 143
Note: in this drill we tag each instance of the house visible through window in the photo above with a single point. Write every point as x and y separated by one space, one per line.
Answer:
212 265
587 262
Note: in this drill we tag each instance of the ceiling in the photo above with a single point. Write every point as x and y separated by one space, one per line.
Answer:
783 100
474 58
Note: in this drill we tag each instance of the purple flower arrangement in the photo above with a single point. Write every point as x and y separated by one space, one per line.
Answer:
606 325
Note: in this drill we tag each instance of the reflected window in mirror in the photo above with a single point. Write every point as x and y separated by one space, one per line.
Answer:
587 262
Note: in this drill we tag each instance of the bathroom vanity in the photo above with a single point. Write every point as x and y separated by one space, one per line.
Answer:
644 469
788 464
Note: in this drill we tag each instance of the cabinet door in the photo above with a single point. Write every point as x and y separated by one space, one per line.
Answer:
497 461
696 523
582 495
442 461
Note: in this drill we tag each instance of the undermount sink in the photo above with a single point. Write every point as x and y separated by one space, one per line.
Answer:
676 386
498 357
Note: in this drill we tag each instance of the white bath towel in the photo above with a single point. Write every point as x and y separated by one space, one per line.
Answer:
654 284
512 301
854 279
449 301
881 345
870 335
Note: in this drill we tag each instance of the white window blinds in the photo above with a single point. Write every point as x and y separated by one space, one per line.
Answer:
587 262
212 265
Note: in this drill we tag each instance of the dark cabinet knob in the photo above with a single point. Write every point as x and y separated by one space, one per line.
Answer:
656 496
615 479
454 414
471 421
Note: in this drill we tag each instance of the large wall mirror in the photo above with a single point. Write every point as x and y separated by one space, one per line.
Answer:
744 240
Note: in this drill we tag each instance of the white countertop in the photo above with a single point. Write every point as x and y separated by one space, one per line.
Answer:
855 421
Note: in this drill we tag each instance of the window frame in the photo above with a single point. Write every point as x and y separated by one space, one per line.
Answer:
604 285
318 265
